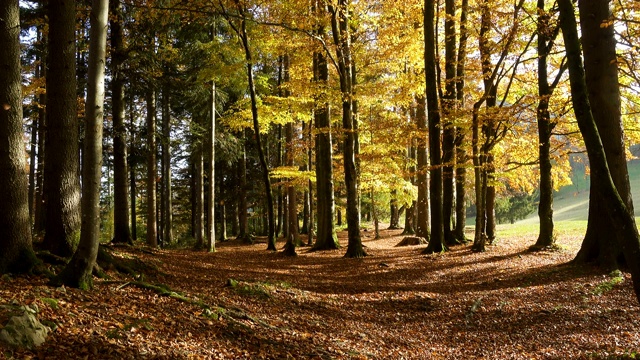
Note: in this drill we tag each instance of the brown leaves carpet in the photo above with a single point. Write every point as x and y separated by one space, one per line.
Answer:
506 303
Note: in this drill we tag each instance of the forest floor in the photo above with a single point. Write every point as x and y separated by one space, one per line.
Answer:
245 302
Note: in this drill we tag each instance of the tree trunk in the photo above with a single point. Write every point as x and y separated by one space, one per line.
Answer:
78 272
122 232
449 106
461 152
167 223
624 226
39 213
546 237
601 75
241 208
436 241
326 238
61 180
152 172
422 218
211 157
342 40
132 176
16 253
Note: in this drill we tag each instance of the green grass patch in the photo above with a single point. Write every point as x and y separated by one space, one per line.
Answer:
615 278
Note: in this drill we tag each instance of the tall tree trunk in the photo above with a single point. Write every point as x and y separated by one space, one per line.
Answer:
449 106
241 31
280 217
545 126
16 252
422 218
199 210
601 75
342 40
32 164
78 272
410 215
39 212
461 152
152 172
167 223
326 238
211 157
436 241
293 237
624 226
61 181
132 175
241 208
122 232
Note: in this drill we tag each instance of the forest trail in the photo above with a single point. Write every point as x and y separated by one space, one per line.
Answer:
245 302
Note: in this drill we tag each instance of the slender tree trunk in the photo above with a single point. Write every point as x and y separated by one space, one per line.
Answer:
545 126
601 75
16 252
244 38
342 40
436 241
152 172
167 223
462 158
122 232
422 218
61 181
243 231
449 105
326 238
39 213
624 227
32 165
410 215
132 175
78 272
211 157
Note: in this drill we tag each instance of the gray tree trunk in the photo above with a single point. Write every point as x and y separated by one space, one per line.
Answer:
61 166
78 272
121 231
16 253
152 171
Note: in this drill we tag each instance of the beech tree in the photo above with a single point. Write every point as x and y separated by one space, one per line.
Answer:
624 227
79 271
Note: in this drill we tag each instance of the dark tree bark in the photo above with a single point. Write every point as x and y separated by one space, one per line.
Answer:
436 240
410 215
241 30
132 176
152 172
449 106
121 230
624 226
293 238
39 210
461 152
422 218
326 238
601 75
167 194
16 253
342 40
241 208
78 272
546 38
61 166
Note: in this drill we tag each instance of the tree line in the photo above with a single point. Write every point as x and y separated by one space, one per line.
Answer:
195 120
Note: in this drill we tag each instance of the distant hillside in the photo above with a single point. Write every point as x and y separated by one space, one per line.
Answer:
572 202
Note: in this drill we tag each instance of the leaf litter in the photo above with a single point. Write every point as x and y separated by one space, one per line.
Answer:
243 302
